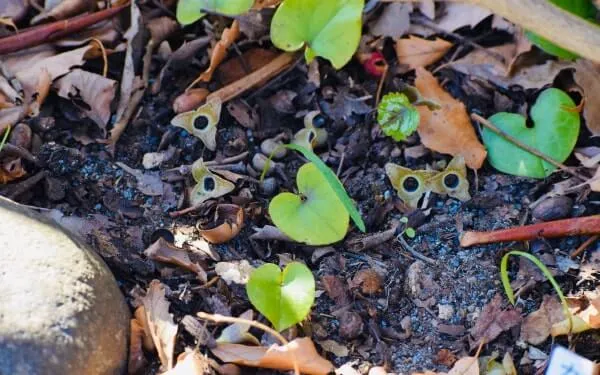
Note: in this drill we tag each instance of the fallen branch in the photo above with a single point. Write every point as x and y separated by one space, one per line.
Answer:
589 225
527 148
37 35
547 20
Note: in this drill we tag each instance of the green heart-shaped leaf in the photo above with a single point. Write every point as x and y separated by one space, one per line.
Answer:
190 11
582 8
285 298
316 216
555 131
329 28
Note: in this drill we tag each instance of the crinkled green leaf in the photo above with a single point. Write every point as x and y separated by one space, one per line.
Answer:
582 8
190 11
556 124
328 28
397 117
285 298
315 216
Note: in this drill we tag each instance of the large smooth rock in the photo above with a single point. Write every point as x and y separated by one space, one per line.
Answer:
61 311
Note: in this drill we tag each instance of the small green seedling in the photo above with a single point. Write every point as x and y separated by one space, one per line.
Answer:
285 298
319 214
397 113
408 231
330 29
190 11
556 128
4 138
508 289
582 8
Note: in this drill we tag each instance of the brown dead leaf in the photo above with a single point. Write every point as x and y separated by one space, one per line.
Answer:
238 67
587 76
276 357
219 52
418 52
459 15
393 22
445 358
95 90
163 251
336 289
368 280
492 321
137 361
584 319
190 363
537 325
334 348
447 130
177 60
160 322
42 89
464 366
13 9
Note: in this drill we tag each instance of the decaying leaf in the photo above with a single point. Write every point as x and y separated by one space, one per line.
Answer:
237 272
334 348
393 22
583 318
447 130
237 333
418 52
587 76
162 328
219 52
369 281
537 325
276 357
137 361
493 321
148 182
95 90
227 223
459 15
464 366
163 251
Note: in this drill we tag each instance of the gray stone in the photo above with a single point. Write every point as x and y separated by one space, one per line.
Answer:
61 311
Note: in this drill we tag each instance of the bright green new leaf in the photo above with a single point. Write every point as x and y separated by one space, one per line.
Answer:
285 298
316 216
328 28
397 117
555 130
190 11
582 8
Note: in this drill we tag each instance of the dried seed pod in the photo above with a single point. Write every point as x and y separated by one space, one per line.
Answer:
227 223
452 180
202 122
410 185
311 136
209 185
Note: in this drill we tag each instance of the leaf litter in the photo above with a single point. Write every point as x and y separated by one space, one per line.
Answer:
376 305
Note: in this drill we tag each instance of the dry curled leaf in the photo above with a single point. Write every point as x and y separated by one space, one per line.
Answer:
584 318
537 325
162 328
227 223
447 130
237 272
587 76
492 321
276 357
190 363
163 251
418 52
63 9
369 281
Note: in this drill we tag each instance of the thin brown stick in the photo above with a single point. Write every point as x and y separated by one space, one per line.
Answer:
230 319
37 35
584 246
253 79
527 148
589 225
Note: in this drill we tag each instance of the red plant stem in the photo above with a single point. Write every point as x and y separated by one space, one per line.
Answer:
560 228
37 35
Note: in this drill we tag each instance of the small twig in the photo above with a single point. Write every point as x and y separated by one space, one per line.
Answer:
589 225
584 246
527 148
37 35
414 252
217 318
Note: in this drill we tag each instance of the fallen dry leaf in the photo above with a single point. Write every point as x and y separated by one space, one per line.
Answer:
368 280
163 251
237 272
393 22
13 9
418 52
238 67
42 89
464 366
148 182
219 52
137 361
162 328
190 363
334 348
492 321
459 15
583 319
95 90
276 357
587 76
63 9
447 130
237 333
537 325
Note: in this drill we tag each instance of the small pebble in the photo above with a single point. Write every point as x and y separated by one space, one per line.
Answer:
553 209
